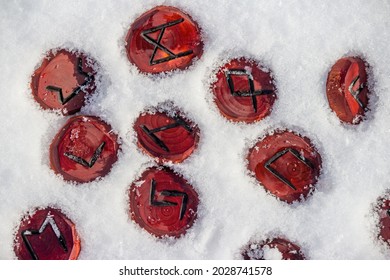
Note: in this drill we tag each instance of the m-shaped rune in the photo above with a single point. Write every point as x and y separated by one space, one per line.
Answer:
49 221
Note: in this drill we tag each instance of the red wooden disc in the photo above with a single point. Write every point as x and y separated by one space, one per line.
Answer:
63 81
47 234
286 164
163 39
277 248
346 89
166 137
384 219
163 203
243 91
84 149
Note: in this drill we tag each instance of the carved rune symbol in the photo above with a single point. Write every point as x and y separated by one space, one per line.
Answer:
82 161
162 203
158 141
157 45
278 155
356 93
88 78
251 93
29 232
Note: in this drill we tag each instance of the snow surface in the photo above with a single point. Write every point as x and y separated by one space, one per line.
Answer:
272 253
298 40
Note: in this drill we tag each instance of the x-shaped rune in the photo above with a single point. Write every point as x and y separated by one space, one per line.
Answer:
88 78
274 172
162 203
251 93
82 161
356 93
157 44
158 141
49 221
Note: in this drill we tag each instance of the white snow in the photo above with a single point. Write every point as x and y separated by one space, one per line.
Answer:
272 253
297 40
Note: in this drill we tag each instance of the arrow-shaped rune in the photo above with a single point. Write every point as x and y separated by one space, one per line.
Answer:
356 93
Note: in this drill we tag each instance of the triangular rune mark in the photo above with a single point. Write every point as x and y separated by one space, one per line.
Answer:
157 45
